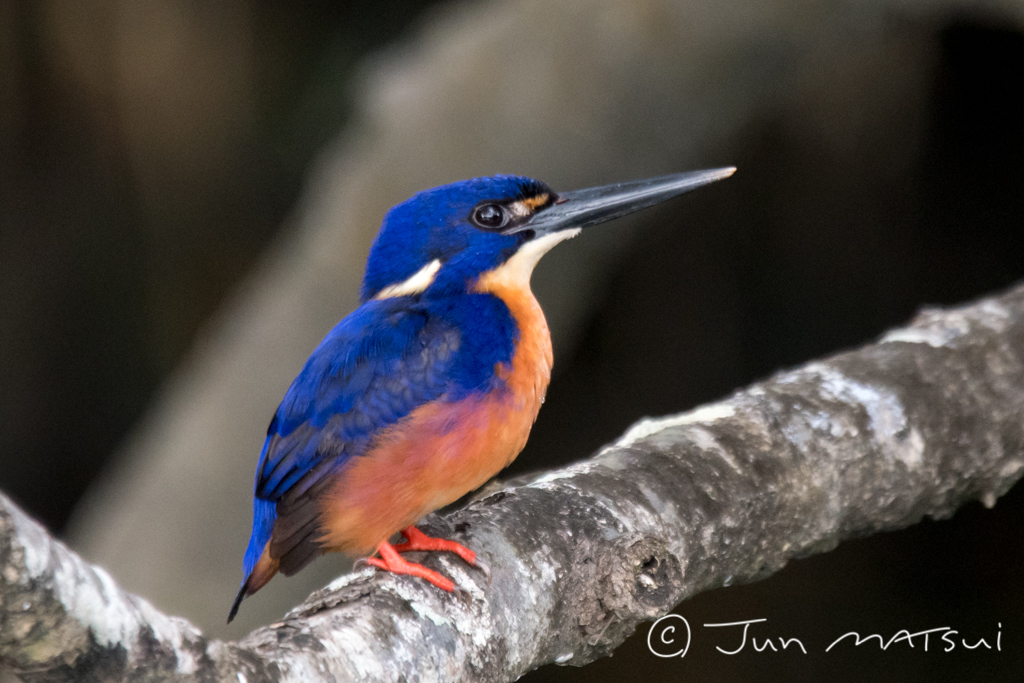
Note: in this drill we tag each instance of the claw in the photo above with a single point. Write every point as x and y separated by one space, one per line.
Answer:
485 569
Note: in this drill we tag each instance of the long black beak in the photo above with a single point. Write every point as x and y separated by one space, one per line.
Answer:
583 208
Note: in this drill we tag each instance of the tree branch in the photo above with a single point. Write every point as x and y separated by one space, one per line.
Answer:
925 420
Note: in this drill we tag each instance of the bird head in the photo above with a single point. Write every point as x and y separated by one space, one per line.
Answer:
440 241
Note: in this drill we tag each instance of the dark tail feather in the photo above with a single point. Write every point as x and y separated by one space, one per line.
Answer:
261 574
236 603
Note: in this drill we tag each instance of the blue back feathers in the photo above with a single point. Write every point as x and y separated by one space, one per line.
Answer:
390 356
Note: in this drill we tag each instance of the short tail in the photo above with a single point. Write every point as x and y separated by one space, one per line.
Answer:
257 568
236 603
260 576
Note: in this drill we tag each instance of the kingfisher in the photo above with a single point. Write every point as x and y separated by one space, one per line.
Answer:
431 386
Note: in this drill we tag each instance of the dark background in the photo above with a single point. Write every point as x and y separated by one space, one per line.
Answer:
115 248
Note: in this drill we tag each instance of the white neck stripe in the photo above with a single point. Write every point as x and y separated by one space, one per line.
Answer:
416 284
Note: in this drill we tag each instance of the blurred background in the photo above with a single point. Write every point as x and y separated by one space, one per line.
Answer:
188 191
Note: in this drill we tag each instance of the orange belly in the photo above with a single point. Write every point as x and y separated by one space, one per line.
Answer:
442 450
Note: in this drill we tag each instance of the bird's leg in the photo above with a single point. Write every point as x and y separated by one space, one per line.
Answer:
391 561
417 540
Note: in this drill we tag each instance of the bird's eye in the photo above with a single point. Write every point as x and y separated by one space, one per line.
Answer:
489 216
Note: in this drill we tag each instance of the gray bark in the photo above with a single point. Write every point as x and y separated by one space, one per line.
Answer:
928 418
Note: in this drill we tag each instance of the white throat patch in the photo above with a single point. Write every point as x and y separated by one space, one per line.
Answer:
517 270
417 283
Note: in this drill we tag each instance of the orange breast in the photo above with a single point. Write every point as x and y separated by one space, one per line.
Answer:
441 451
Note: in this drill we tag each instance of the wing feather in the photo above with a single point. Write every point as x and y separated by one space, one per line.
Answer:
374 368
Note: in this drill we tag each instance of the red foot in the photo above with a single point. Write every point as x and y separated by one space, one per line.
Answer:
391 561
417 540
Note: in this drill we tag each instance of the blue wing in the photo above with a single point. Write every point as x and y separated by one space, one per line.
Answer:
375 367
371 370
365 375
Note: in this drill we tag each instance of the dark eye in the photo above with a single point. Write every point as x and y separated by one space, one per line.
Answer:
489 216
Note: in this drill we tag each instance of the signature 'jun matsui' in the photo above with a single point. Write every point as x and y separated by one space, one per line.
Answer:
431 386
